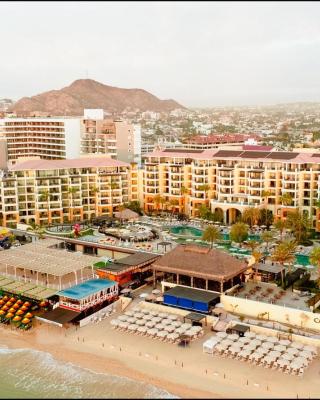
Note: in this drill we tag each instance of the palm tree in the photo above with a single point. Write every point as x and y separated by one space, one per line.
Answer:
300 225
204 188
265 194
183 192
46 196
156 201
315 260
211 234
239 232
252 244
37 229
284 253
112 187
95 191
280 225
257 256
250 215
71 191
172 204
267 237
286 199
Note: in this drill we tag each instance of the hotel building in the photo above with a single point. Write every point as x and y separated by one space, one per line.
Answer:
232 180
117 138
100 185
47 137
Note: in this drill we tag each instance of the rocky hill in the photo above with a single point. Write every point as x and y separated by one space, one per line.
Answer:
87 93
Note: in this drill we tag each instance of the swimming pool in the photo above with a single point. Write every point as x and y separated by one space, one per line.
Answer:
186 231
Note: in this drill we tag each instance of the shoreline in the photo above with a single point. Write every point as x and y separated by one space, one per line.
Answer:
99 364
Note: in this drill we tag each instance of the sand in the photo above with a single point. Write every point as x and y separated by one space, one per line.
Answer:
184 372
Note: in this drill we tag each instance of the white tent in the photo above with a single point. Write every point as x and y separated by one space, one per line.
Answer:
209 345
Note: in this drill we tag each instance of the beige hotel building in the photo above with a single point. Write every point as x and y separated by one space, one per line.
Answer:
236 180
99 184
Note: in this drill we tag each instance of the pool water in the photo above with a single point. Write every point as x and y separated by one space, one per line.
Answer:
226 236
186 231
302 259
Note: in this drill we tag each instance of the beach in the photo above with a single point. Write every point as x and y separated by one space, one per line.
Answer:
182 372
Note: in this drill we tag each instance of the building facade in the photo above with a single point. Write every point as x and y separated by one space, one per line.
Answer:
47 138
232 180
48 191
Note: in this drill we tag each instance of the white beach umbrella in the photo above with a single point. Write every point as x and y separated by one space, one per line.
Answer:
287 356
284 342
221 347
123 324
138 315
172 336
154 313
141 322
123 318
256 342
152 331
169 328
274 353
114 322
147 317
292 350
250 334
132 327
227 342
166 321
221 334
142 329
269 359
190 333
160 327
144 311
233 336
296 365
180 330
262 337
196 329
280 348
156 291
261 350
255 356
244 340
143 295
312 349
250 346
173 317
297 345
244 353
272 339
306 354
176 323
156 319
162 334
234 350
187 325
302 360
267 345
150 324
283 362
163 315
131 320
129 313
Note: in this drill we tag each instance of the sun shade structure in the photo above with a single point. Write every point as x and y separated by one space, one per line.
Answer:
44 257
59 316
30 290
200 262
126 214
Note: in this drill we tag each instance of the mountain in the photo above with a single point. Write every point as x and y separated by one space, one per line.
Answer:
87 93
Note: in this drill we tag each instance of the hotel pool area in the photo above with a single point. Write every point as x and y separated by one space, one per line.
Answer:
186 231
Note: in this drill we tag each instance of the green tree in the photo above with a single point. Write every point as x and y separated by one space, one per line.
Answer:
267 237
71 191
265 217
134 206
239 232
211 234
204 212
257 256
37 230
252 244
284 253
265 194
184 192
280 225
300 224
250 216
204 188
112 186
286 199
46 196
315 260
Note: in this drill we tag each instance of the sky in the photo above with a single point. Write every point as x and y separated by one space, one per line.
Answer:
201 54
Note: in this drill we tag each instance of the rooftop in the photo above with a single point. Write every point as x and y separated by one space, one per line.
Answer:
201 262
43 257
84 162
85 289
192 294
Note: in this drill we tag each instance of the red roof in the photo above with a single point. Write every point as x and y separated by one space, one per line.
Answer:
223 138
256 147
85 162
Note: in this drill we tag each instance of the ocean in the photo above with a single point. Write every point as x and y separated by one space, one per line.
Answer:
33 374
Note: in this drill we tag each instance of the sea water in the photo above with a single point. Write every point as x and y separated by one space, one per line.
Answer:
28 373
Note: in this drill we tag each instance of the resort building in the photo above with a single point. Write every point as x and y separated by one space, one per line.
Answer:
117 138
202 142
200 267
232 180
56 191
88 294
47 137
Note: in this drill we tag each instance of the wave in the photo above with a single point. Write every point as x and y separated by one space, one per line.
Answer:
26 373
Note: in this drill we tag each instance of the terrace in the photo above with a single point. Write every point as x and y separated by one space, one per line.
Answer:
269 293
